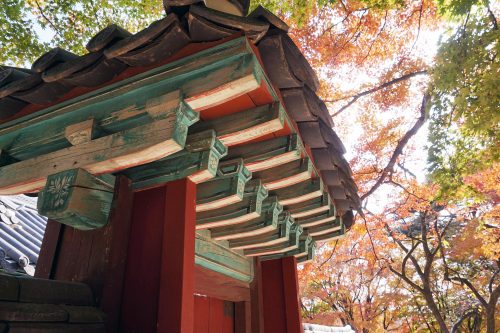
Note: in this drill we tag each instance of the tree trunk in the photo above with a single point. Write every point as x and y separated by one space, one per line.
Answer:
435 310
490 318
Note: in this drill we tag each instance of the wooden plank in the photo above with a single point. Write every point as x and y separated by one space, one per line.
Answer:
198 162
47 259
331 236
111 153
54 292
77 198
226 189
28 312
277 250
218 258
286 175
245 126
279 236
214 284
311 207
324 229
318 219
269 153
120 221
300 192
267 221
249 208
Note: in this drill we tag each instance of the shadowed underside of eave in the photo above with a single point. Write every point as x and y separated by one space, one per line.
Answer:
270 169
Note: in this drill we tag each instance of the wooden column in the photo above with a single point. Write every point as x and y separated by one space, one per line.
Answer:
280 294
159 281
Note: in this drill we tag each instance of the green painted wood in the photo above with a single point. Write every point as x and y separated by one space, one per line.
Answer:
269 153
272 238
126 103
247 125
297 192
306 246
217 257
228 186
267 221
165 135
311 207
248 208
199 158
77 198
287 174
324 228
276 251
331 236
318 219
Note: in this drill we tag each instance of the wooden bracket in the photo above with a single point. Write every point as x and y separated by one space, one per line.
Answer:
77 198
80 133
277 251
311 207
268 221
216 257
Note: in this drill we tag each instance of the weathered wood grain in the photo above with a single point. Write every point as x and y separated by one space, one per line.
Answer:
269 153
226 189
245 126
28 312
77 198
111 153
214 256
250 207
80 132
286 175
198 161
9 288
267 221
279 236
300 192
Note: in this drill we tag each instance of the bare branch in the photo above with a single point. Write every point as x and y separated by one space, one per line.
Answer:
399 148
354 98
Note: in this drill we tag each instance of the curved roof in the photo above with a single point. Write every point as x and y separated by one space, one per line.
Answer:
114 54
21 233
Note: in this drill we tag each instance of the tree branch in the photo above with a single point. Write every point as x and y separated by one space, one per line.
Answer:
399 148
375 89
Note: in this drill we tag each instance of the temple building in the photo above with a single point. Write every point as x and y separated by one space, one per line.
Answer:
181 174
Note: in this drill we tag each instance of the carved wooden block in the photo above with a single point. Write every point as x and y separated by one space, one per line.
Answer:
77 198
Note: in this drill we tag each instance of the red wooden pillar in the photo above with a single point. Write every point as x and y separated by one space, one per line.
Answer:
280 293
159 282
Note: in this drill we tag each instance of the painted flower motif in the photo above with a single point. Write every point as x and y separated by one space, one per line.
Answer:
59 188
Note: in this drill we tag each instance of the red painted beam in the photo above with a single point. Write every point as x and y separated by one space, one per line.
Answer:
280 293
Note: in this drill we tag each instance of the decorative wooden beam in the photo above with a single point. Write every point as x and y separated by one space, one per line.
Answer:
307 257
216 257
300 192
275 237
226 189
198 162
247 209
162 137
286 175
267 221
311 207
77 198
318 219
324 229
276 250
331 236
247 125
269 153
